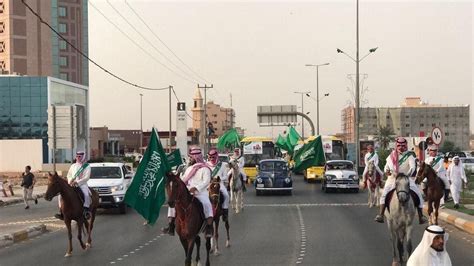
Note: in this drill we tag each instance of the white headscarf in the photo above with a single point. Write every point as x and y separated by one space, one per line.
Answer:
425 255
457 158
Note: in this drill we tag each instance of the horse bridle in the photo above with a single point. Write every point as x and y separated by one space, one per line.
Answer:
403 191
176 200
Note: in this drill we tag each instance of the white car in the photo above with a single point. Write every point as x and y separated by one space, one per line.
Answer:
340 174
111 181
468 164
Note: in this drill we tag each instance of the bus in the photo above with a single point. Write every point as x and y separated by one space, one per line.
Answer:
255 149
333 150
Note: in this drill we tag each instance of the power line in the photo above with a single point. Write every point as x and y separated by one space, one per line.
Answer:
138 45
150 43
159 39
85 56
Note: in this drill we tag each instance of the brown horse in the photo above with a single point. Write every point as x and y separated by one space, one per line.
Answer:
434 189
189 218
71 208
215 197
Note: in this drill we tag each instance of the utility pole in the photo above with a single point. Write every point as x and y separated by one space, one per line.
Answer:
169 143
205 87
141 124
302 110
357 106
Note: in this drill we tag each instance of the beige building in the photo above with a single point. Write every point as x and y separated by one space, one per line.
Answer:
28 47
412 118
221 118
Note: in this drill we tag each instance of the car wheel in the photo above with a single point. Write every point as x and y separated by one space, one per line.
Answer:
122 208
322 186
258 192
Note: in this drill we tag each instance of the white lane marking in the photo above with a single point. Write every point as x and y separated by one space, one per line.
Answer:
303 236
308 205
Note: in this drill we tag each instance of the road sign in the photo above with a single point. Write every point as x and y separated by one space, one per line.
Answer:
276 115
437 135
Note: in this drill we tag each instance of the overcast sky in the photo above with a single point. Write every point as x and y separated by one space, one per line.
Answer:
257 52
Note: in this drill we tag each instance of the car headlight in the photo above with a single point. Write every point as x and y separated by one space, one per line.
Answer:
117 188
329 177
287 180
312 175
259 180
354 177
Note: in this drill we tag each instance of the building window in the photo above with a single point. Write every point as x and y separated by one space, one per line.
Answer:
63 76
407 116
2 26
2 7
433 125
62 28
407 125
63 61
446 134
62 45
2 47
422 125
62 11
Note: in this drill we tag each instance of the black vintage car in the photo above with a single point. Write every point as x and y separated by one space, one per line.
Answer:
273 176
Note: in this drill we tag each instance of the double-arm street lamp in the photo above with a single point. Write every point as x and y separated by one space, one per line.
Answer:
357 104
317 91
302 110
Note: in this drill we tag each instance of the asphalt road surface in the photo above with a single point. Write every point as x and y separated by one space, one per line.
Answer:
308 228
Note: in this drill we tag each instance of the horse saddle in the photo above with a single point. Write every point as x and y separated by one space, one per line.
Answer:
221 198
79 193
389 196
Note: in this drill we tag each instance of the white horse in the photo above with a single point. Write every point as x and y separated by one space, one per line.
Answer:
373 181
236 187
400 220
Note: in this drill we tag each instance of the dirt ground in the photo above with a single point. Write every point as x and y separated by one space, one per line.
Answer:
15 178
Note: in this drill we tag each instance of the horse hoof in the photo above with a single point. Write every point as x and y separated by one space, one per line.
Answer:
68 254
216 253
88 245
227 244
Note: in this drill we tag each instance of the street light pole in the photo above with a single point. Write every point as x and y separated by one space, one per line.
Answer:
205 87
302 110
141 123
357 88
317 92
169 142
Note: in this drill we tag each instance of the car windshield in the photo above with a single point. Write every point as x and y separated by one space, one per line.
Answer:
339 166
273 166
106 172
224 158
467 160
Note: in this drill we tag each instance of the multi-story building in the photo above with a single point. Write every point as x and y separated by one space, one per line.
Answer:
411 119
222 118
28 47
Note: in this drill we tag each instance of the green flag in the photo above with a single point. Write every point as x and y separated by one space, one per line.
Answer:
281 143
292 139
147 194
229 140
174 158
311 154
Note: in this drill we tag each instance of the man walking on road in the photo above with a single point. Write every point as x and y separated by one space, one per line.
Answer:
28 183
456 176
432 249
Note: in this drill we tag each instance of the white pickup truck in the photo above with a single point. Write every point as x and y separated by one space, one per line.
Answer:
111 181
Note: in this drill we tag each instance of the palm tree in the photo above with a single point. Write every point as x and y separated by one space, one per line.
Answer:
385 135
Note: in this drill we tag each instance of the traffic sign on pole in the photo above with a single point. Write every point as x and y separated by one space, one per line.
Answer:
437 135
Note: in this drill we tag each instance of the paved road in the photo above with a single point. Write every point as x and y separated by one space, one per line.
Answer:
308 228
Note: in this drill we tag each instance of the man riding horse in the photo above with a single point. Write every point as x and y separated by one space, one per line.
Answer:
218 170
371 156
77 176
241 161
436 162
400 161
197 178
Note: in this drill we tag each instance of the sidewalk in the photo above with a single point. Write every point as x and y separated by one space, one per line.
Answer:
18 197
461 220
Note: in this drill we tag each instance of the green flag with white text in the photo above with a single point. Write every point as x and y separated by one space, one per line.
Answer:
311 154
174 158
147 193
292 139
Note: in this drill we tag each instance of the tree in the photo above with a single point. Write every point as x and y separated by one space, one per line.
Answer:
383 154
385 135
449 146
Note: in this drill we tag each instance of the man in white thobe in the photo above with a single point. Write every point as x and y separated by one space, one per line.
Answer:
456 176
400 161
197 178
432 249
218 169
371 156
437 163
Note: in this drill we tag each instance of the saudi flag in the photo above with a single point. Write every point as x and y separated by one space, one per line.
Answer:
292 139
311 154
147 194
281 143
174 158
229 140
